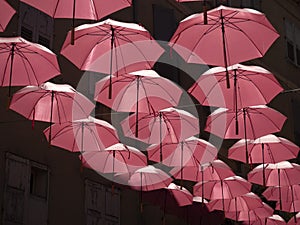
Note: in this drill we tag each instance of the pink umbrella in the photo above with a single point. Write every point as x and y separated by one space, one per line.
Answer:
279 174
253 122
288 193
266 149
252 215
25 63
249 87
189 152
229 37
80 9
249 84
139 91
227 188
6 14
276 174
167 125
271 220
246 202
295 221
148 178
83 135
288 206
118 158
215 170
112 47
53 103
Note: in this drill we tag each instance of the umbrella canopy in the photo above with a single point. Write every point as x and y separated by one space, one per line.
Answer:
249 87
288 193
167 125
276 174
254 122
51 102
79 9
189 152
215 170
288 206
139 91
118 158
149 178
266 149
244 202
6 14
271 220
111 46
25 63
251 215
83 135
229 36
227 188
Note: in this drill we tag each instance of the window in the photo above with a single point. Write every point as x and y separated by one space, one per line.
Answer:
254 4
292 35
35 25
102 206
296 120
25 192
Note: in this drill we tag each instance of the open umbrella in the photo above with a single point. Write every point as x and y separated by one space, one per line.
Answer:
278 174
167 125
249 87
139 91
229 37
215 170
112 47
25 63
83 135
252 215
227 188
246 202
253 122
6 14
288 193
118 158
53 103
266 149
148 178
271 220
189 152
80 9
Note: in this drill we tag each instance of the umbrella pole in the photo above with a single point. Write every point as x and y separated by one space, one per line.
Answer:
293 203
13 45
181 163
73 24
263 160
245 133
51 115
111 59
205 12
280 203
113 170
224 50
235 103
137 107
160 137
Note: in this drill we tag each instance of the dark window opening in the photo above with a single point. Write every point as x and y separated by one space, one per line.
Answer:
44 41
290 50
38 182
26 33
